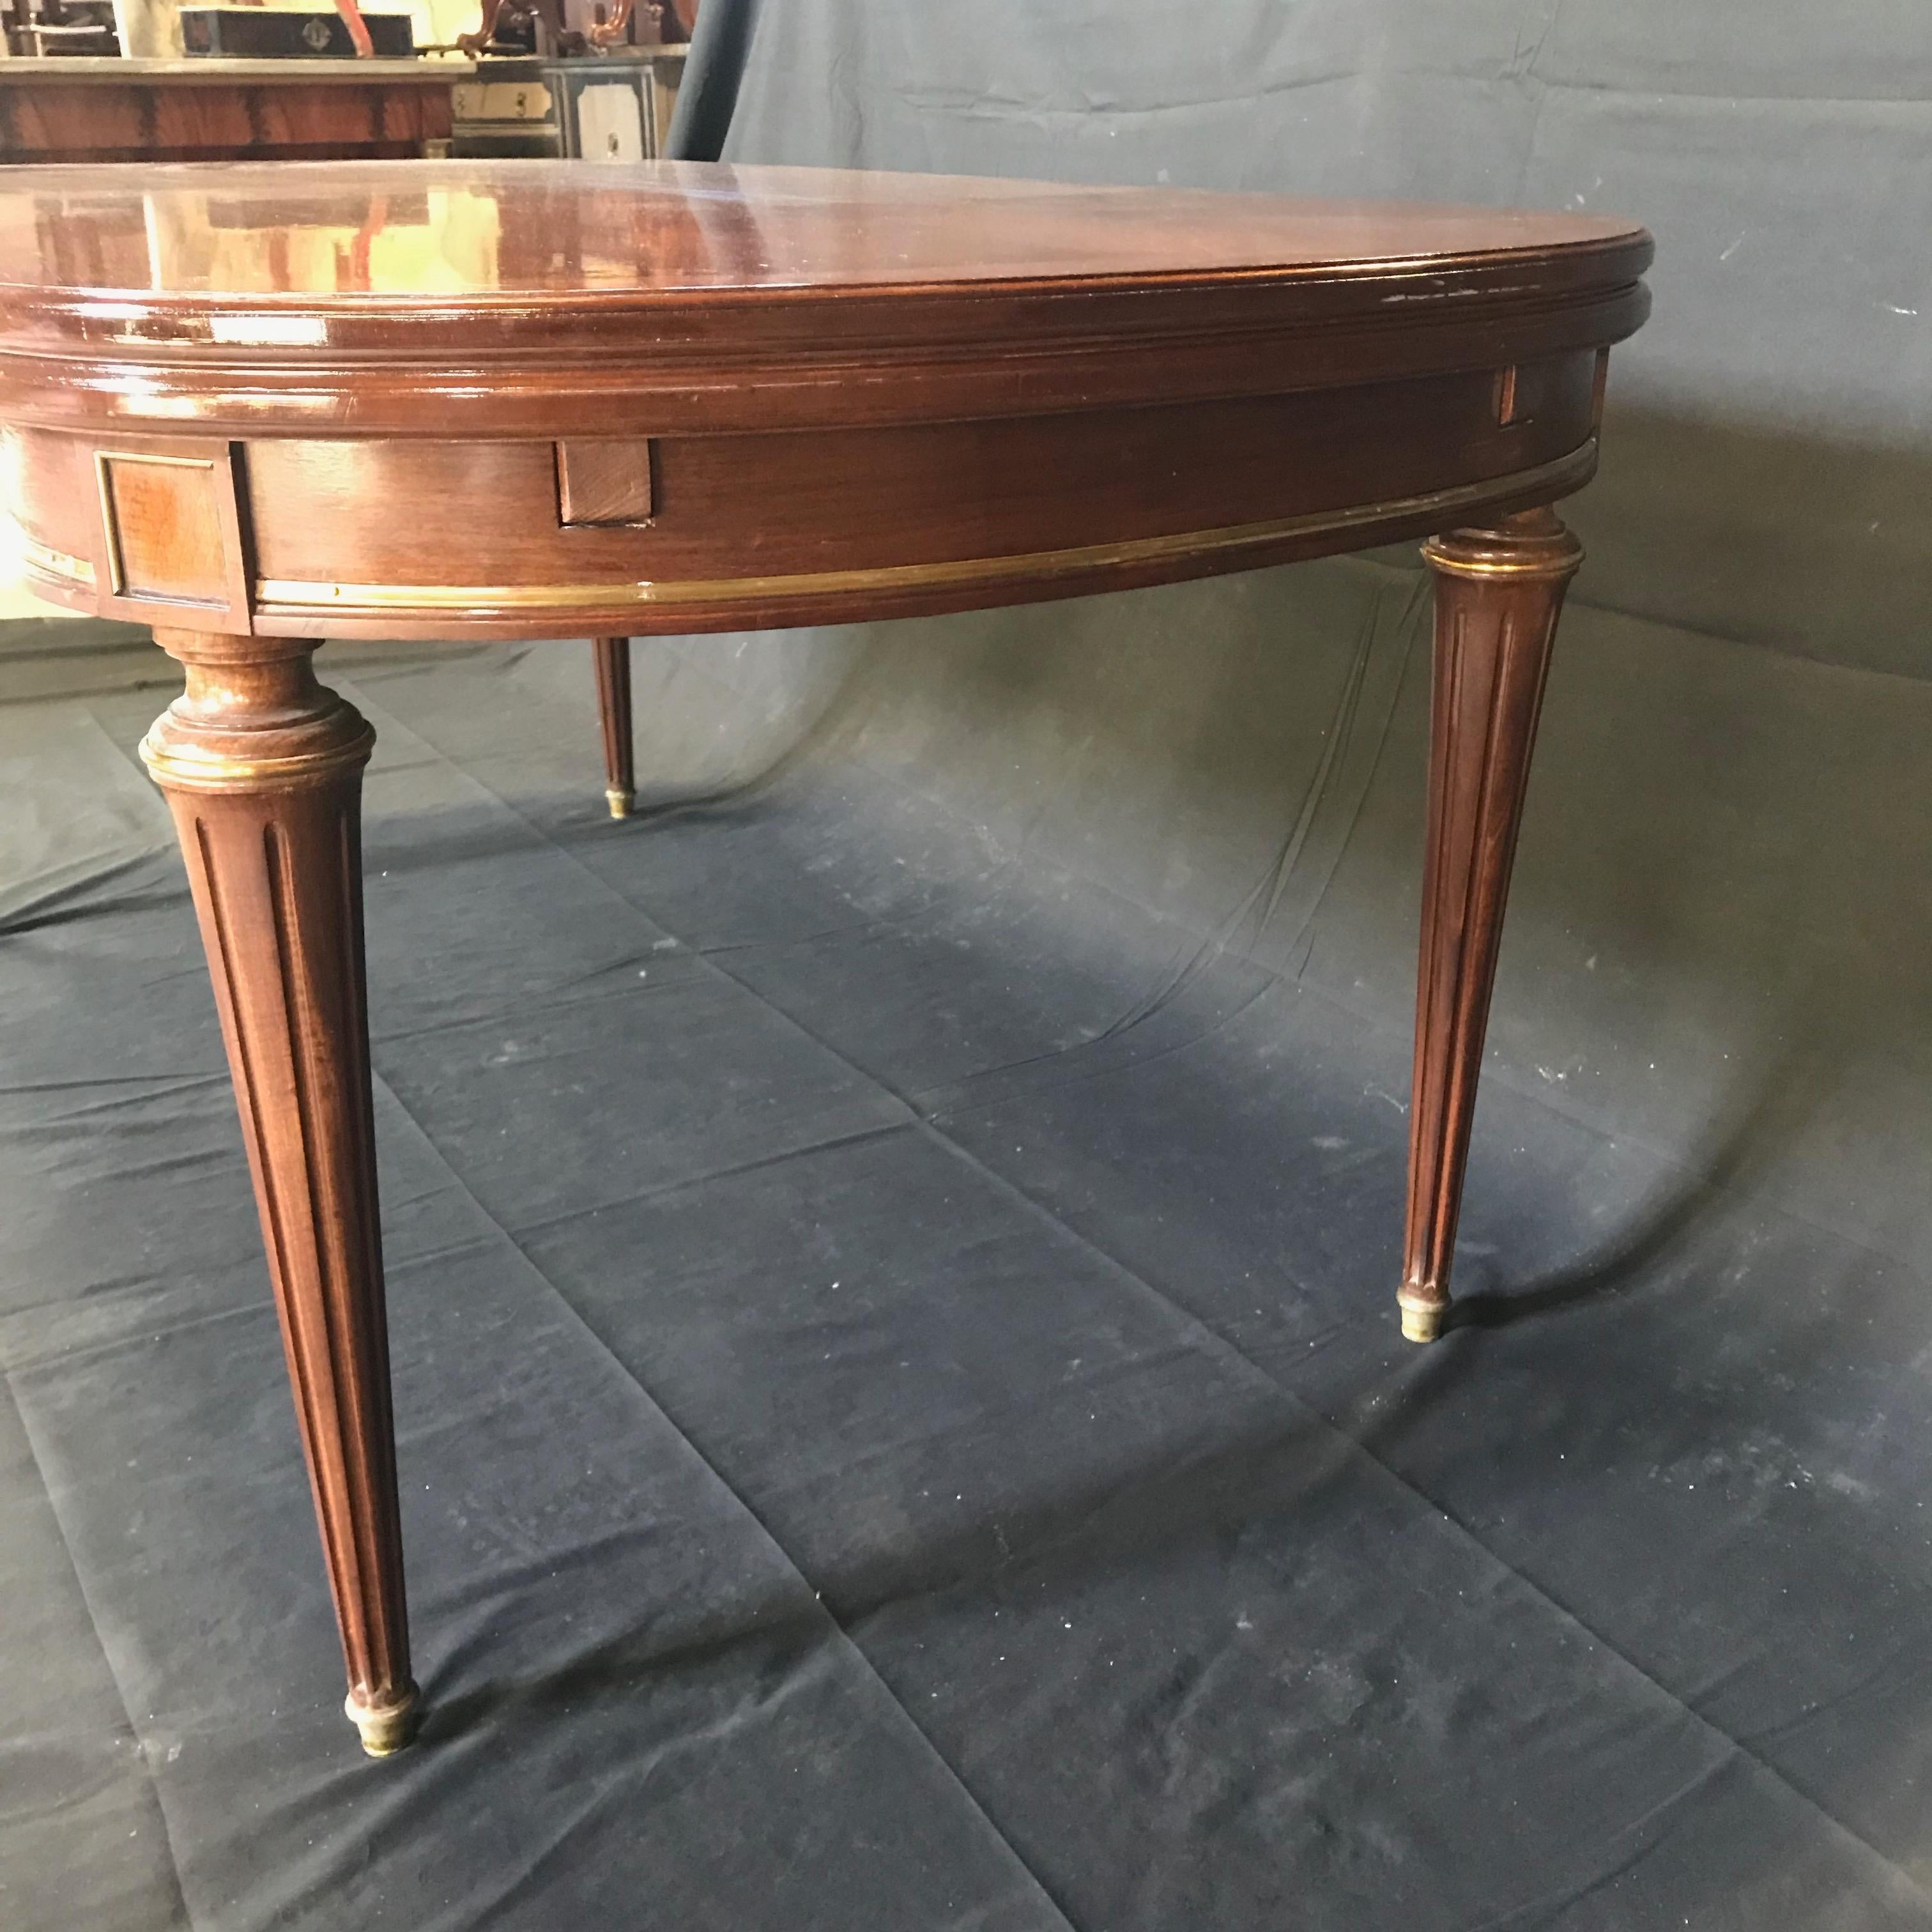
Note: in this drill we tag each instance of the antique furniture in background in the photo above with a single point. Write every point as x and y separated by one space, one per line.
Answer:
54 28
550 27
199 110
549 32
611 107
288 33
682 398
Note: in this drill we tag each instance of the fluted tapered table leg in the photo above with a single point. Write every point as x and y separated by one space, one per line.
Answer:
1498 591
613 708
263 769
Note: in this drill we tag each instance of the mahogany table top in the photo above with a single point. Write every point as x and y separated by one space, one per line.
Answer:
674 229
681 295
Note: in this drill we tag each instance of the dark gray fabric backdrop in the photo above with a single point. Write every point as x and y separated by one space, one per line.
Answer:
891 1252
1720 941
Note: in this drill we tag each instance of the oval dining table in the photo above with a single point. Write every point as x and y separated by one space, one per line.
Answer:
257 406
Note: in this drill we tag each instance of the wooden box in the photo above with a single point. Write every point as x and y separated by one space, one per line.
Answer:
268 33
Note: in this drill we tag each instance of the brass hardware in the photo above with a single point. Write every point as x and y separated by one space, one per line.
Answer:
1421 1320
285 597
619 802
188 768
385 1728
1507 398
51 563
1564 555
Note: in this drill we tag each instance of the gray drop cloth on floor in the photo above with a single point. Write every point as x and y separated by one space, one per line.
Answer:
902 1422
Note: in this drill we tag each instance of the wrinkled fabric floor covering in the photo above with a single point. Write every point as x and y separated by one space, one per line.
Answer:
901 1419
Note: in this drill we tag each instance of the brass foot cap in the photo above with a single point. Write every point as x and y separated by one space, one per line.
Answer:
1422 1322
620 803
387 1727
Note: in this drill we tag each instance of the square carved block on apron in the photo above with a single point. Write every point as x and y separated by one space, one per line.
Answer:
604 480
170 530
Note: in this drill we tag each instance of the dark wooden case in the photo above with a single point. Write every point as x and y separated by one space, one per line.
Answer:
264 33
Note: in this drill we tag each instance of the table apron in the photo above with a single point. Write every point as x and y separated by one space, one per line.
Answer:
330 536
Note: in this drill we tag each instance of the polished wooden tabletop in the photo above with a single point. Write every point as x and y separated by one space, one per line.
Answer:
734 297
654 229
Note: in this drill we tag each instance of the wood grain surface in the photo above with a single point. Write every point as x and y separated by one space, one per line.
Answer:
140 115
